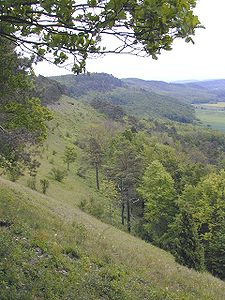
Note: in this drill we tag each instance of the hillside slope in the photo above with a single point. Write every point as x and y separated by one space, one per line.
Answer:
196 92
132 98
145 104
50 249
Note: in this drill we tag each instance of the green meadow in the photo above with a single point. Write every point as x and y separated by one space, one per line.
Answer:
215 118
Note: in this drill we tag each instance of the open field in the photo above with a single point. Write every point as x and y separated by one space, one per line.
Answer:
218 105
212 117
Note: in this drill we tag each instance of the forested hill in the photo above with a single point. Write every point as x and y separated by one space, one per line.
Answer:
85 83
133 99
190 92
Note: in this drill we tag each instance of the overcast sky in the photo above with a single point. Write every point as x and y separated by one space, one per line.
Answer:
203 60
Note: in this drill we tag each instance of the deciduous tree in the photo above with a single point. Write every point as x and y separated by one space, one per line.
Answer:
157 190
125 169
77 27
22 118
187 248
70 155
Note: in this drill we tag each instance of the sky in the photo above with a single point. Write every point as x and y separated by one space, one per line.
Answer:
201 61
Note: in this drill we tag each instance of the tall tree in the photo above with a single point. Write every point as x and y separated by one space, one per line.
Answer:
70 155
96 139
206 202
187 248
77 27
157 190
125 168
22 118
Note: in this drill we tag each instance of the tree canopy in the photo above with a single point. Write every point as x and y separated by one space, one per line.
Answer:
66 27
22 117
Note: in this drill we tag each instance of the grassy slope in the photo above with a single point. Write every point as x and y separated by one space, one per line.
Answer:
79 257
70 120
53 250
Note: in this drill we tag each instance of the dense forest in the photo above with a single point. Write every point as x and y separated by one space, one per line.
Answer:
109 188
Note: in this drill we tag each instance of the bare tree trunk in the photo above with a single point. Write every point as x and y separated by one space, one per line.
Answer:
128 216
97 176
122 212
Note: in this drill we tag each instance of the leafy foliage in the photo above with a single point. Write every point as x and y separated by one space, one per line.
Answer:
157 190
78 28
22 117
70 155
29 115
58 174
186 245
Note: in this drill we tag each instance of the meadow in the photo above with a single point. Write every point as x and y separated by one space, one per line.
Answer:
212 115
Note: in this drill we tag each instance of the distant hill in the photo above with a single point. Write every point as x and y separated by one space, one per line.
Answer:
184 91
213 85
85 83
216 87
141 98
192 92
137 98
48 90
142 103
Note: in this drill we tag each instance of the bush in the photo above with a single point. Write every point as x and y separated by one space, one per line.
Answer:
58 174
44 185
31 183
14 173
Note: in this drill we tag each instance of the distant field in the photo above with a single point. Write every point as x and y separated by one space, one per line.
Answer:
214 118
218 105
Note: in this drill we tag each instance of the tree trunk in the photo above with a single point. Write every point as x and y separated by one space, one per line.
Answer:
122 212
97 176
128 216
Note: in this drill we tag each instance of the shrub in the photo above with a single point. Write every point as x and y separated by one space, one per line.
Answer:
31 183
44 185
14 171
58 174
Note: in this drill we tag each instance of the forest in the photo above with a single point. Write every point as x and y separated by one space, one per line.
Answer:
109 188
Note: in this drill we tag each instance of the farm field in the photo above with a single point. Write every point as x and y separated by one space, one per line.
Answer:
212 117
214 106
